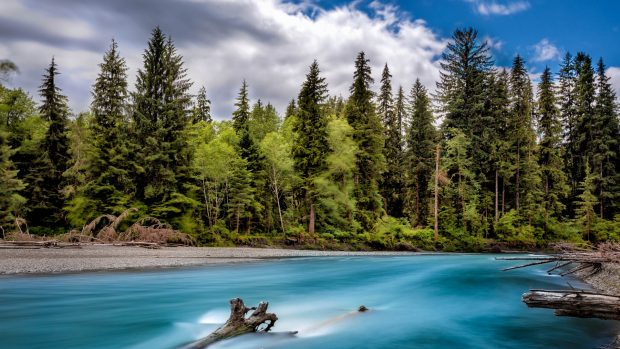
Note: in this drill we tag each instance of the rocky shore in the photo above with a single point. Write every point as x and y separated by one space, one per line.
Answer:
107 257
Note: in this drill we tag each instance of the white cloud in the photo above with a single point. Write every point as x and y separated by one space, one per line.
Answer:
271 43
493 43
545 51
491 8
614 75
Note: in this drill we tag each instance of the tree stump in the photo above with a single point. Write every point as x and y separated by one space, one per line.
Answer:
238 324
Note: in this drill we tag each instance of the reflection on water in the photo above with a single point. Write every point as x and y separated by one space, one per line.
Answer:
436 302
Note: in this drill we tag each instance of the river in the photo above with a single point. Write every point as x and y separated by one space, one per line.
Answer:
430 301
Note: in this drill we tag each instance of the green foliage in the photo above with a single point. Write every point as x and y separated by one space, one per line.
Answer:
368 133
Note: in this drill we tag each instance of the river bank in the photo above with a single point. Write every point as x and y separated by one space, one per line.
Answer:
108 257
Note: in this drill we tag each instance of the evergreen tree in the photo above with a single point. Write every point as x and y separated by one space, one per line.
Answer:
550 160
202 107
368 134
421 139
241 115
585 94
568 116
263 120
111 189
310 146
291 109
586 203
392 184
606 145
522 135
45 181
161 113
401 114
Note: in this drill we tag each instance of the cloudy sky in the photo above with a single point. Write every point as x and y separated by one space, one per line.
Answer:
271 43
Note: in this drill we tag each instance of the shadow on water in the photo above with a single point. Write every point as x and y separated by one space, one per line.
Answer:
439 301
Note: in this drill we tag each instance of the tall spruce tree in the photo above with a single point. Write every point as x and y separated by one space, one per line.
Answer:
161 113
402 117
392 183
606 145
554 179
45 181
202 107
586 123
421 140
311 146
523 138
568 116
111 188
368 134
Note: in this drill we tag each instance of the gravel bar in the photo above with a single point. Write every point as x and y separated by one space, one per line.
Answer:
107 257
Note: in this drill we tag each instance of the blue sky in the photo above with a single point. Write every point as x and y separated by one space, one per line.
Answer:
271 43
568 25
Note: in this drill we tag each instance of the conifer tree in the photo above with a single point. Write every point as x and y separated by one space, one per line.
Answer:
111 188
606 144
421 140
45 182
202 107
241 115
290 109
550 159
585 94
311 147
161 113
586 202
392 183
522 133
401 115
368 134
568 116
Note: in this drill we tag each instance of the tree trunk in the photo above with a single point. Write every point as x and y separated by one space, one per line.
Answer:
436 204
518 177
496 195
575 303
237 324
312 220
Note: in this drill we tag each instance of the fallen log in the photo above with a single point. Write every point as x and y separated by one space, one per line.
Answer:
238 324
575 303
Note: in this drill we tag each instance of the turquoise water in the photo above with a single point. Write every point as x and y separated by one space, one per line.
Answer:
438 301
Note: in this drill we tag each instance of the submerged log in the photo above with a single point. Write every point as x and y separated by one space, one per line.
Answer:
575 303
237 324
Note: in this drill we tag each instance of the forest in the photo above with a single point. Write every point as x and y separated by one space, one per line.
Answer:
488 158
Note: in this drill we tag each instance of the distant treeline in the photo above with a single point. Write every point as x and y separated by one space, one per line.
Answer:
513 167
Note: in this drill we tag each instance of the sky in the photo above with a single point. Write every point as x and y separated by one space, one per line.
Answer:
271 43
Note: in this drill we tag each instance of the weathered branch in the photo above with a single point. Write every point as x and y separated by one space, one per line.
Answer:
238 324
575 303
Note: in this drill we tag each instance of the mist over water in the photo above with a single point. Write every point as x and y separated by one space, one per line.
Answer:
436 301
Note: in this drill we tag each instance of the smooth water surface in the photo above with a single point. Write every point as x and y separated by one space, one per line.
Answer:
436 301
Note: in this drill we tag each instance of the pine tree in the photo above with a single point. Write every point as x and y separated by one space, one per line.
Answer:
585 94
311 147
161 113
501 163
241 115
111 189
586 203
401 115
392 183
566 100
368 134
606 144
465 65
202 107
421 140
45 182
550 160
291 109
521 133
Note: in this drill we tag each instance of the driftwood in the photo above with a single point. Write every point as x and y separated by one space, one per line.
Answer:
575 303
237 324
